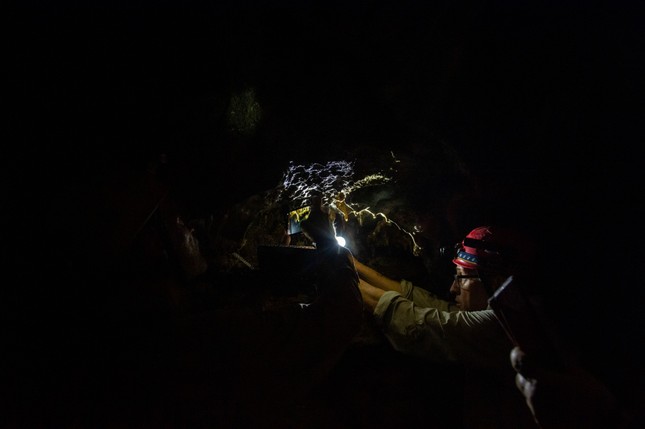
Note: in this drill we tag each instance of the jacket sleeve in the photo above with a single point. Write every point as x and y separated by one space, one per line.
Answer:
424 298
473 338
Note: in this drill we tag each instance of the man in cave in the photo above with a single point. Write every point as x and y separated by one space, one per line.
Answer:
466 332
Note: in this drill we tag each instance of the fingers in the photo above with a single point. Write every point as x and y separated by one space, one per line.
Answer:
525 385
524 364
517 356
316 202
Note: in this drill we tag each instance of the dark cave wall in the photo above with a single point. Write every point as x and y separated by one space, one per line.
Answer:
516 113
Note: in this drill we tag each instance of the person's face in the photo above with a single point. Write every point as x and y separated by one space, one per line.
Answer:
470 294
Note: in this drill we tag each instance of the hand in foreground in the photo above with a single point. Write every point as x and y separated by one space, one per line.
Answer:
565 398
318 226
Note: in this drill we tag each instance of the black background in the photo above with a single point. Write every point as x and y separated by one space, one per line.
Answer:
542 100
537 93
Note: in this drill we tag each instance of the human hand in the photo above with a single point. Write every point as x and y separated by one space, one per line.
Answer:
318 226
562 398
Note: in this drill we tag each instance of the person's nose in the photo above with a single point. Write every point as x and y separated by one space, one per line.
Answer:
454 288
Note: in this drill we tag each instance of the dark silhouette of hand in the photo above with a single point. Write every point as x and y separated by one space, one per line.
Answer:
563 398
318 226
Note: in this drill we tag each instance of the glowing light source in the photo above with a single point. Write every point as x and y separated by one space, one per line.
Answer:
335 181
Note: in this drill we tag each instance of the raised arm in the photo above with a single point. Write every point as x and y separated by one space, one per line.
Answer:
375 278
